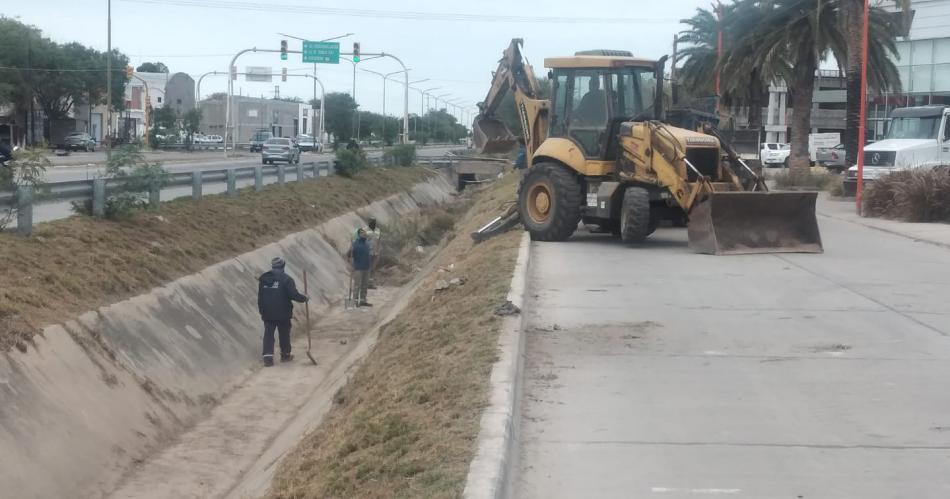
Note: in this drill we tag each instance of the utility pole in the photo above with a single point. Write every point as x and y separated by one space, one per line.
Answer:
108 80
676 40
863 110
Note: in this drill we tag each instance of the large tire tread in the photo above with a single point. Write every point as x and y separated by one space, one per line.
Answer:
568 197
636 224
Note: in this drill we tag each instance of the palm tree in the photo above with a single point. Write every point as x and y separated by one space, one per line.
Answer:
786 40
741 87
885 76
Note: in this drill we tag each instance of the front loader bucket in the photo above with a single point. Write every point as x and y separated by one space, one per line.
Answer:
492 136
735 223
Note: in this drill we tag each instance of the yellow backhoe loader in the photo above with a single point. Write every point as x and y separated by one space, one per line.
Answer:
598 151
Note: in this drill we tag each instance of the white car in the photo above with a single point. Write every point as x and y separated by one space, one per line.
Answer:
774 154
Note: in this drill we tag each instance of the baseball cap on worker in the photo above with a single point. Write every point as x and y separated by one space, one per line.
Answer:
277 263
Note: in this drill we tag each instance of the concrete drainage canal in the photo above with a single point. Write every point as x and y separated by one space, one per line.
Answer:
162 395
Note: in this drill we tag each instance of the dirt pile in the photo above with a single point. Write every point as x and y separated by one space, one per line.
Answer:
77 264
406 423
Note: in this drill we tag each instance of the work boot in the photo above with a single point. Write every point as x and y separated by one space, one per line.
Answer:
286 358
366 304
269 361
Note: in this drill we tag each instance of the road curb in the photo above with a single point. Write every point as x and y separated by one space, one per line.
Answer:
489 471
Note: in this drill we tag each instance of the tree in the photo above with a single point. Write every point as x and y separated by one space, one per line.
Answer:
191 122
339 115
57 76
786 39
740 86
883 30
164 125
152 67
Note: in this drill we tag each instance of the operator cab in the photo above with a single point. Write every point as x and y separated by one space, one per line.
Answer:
594 92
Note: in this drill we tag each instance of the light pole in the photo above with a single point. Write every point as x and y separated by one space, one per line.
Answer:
384 77
411 83
108 81
426 94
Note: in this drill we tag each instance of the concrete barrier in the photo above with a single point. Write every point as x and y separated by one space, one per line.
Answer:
99 393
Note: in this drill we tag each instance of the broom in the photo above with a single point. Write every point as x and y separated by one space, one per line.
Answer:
306 306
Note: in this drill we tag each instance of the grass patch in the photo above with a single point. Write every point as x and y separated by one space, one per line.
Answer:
76 264
918 195
809 179
406 423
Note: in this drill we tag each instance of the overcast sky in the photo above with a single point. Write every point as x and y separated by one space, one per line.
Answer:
456 55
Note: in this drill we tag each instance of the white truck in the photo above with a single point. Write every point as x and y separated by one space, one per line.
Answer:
918 137
776 154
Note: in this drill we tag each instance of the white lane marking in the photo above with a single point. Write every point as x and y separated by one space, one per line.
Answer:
664 490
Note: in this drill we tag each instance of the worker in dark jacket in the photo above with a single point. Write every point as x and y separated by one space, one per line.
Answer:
276 293
360 266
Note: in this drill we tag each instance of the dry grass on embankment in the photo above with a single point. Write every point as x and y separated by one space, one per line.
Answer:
406 423
77 264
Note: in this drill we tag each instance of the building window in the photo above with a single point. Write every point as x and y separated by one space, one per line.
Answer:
923 52
921 78
903 53
942 78
159 100
942 51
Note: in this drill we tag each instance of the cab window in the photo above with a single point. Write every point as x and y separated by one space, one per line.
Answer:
588 119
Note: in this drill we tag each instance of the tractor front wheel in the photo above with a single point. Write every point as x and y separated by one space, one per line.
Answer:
550 202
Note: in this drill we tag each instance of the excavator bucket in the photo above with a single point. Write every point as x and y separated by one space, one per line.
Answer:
735 223
492 136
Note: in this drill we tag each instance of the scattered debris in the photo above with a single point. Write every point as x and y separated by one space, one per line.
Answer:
441 284
343 341
161 219
507 309
458 281
420 249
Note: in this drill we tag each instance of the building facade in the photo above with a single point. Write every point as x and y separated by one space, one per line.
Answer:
252 114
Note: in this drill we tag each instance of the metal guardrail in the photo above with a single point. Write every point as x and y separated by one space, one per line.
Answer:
97 190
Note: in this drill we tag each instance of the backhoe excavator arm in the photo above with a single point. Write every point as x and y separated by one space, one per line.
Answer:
514 75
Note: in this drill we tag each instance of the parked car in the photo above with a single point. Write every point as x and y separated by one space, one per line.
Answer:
259 139
774 154
80 141
306 143
832 158
280 149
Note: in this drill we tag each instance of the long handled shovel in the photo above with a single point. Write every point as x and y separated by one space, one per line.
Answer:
306 306
348 302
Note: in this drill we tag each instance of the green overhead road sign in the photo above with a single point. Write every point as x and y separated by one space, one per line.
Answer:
321 52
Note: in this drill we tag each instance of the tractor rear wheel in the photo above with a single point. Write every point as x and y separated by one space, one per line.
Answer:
635 220
550 202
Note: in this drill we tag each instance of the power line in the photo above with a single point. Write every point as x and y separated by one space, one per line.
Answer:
412 15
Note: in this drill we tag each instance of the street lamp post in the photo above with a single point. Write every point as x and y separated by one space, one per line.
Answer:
385 77
108 81
425 97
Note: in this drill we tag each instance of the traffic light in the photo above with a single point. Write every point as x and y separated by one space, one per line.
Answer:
129 71
283 74
234 73
356 51
283 50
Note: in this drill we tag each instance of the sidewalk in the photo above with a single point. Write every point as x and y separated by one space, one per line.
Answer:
844 210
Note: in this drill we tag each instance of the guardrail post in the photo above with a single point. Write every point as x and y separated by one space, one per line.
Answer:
324 168
258 178
99 197
281 173
24 210
300 176
154 197
196 185
232 183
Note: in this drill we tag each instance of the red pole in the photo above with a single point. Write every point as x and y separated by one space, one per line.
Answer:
864 108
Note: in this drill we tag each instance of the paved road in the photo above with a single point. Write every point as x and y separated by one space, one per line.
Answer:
207 161
655 372
56 210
